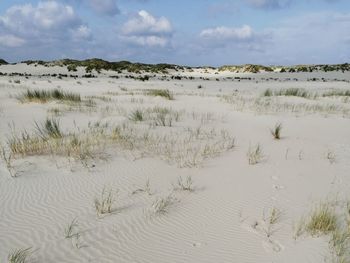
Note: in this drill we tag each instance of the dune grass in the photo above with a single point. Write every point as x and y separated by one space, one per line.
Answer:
44 96
184 184
104 204
323 220
161 93
70 230
162 204
255 154
291 92
19 255
276 131
49 129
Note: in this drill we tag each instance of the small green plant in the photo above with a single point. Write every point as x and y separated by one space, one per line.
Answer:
276 132
50 129
322 220
184 185
268 93
70 230
104 204
44 96
331 157
162 93
137 115
19 255
254 154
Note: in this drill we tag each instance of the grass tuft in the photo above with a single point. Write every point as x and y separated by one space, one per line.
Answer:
44 96
184 185
19 255
323 220
49 129
162 93
137 115
254 154
104 204
276 132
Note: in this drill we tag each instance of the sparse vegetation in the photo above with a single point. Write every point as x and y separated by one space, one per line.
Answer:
70 230
44 96
161 92
137 115
19 255
254 154
162 204
50 129
276 132
323 220
184 184
104 204
145 189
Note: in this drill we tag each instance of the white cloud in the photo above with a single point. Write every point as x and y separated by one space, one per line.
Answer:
228 33
11 41
146 30
145 23
48 21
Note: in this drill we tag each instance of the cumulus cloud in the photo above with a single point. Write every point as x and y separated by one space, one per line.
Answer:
146 30
228 33
49 28
47 20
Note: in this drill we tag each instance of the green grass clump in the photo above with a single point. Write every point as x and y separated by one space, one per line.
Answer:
162 93
19 255
291 92
276 132
48 95
340 93
137 115
49 129
323 220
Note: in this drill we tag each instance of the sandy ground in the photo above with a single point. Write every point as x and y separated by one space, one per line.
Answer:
224 218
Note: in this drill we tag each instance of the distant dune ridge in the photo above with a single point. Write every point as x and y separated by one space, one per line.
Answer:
100 64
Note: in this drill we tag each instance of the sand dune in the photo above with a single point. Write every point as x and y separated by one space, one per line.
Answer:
227 216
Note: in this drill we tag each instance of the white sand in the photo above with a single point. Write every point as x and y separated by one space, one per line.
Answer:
215 223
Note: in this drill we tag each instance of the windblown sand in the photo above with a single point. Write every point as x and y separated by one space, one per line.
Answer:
224 218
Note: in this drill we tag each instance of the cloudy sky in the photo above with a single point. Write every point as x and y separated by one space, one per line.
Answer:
190 32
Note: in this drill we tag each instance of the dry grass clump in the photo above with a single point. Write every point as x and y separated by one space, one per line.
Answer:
145 189
255 154
44 96
161 92
162 204
294 92
104 204
339 93
273 104
184 184
19 255
49 129
323 220
276 132
8 158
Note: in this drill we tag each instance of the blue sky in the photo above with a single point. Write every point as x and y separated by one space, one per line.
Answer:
197 32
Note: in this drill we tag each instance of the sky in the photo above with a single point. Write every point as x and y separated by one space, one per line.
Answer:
185 32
